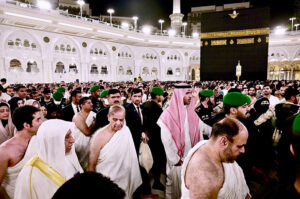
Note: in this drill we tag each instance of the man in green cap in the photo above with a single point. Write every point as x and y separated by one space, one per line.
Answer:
205 109
95 93
151 112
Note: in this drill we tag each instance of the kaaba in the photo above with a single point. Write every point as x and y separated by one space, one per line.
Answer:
232 37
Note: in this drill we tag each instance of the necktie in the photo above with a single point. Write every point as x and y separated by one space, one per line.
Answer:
139 113
77 109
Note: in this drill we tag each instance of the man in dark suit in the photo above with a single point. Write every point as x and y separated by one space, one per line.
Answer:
114 98
69 111
152 111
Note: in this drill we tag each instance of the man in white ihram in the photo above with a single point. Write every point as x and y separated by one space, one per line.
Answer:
210 170
112 153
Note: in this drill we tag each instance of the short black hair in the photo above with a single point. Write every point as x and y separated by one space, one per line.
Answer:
75 92
3 80
3 104
19 86
289 92
46 91
83 100
95 183
1 88
113 91
227 127
23 115
135 91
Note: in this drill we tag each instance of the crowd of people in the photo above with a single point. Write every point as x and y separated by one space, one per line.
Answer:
209 139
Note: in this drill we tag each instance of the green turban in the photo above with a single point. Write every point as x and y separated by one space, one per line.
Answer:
296 124
57 96
236 99
61 89
157 91
94 88
103 93
207 93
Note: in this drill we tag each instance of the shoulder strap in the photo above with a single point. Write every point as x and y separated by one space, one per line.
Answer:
52 174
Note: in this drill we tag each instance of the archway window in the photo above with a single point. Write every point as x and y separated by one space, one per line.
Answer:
26 43
169 71
15 66
68 48
56 48
177 72
94 69
10 43
129 71
193 74
32 67
18 42
104 70
121 70
145 71
33 45
73 68
60 68
62 47
154 71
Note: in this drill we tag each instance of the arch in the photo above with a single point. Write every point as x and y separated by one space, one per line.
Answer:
150 55
296 56
128 71
174 55
15 66
193 74
23 39
101 49
170 71
145 71
32 67
60 68
73 68
177 72
104 70
154 71
94 69
120 70
126 52
66 45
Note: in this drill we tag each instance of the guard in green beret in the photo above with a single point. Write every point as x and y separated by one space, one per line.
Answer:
97 103
205 109
61 90
157 91
57 96
103 93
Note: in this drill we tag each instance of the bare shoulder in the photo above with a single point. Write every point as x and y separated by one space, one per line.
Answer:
7 151
204 178
100 138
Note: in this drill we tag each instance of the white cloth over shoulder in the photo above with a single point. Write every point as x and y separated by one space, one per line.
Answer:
234 186
82 142
51 141
9 181
118 161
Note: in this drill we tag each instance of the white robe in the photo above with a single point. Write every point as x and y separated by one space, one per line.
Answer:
118 161
173 190
82 142
234 186
9 181
51 142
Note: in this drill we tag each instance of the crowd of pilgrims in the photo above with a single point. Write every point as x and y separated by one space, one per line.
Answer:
267 163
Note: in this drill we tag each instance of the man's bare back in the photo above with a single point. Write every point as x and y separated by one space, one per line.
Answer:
203 177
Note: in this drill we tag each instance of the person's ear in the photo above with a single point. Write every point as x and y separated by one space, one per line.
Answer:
292 149
233 110
26 125
223 142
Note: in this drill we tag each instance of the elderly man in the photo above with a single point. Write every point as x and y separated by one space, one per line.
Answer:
13 152
112 152
210 170
181 129
54 163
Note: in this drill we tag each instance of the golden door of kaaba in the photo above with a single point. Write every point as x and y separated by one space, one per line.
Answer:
230 37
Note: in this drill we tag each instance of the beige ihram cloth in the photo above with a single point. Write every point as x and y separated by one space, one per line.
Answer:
82 142
51 142
118 161
234 186
12 173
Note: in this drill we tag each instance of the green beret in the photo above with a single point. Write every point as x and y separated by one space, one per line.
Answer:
57 96
103 93
236 99
157 91
207 93
94 88
61 89
296 124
